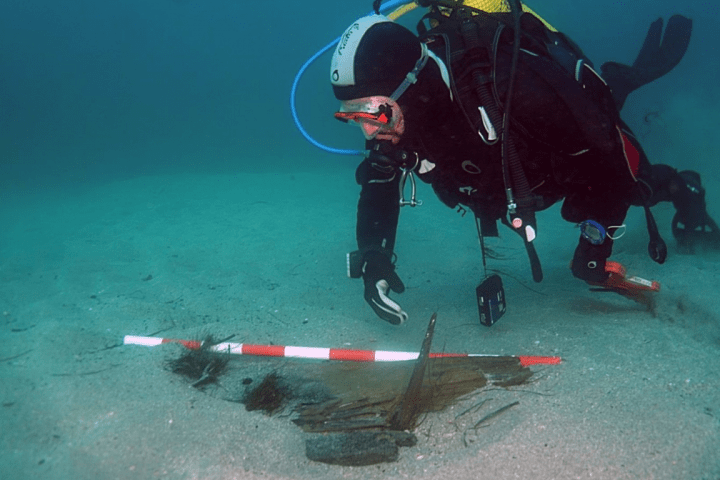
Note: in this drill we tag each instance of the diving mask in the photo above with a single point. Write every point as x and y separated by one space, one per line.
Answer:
378 117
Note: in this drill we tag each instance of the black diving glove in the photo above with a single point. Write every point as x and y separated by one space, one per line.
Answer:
380 277
589 260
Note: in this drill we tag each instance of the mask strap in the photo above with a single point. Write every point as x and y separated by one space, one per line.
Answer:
411 77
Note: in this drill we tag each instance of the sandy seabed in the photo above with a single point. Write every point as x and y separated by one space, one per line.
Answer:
262 257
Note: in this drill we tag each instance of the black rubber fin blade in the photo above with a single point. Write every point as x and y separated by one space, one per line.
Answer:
658 55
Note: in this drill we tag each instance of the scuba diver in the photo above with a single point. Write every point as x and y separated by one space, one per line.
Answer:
504 116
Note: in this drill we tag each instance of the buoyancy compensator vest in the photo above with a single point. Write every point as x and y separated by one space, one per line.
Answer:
497 59
558 99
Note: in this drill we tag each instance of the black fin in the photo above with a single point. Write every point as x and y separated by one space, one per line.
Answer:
658 55
661 53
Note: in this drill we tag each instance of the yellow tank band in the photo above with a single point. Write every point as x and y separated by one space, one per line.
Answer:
490 6
502 6
402 10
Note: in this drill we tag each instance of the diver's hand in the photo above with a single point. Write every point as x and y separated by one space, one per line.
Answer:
380 277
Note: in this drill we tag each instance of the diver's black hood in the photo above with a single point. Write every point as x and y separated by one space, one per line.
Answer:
372 58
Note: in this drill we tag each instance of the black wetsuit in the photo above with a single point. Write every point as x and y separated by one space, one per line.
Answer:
586 161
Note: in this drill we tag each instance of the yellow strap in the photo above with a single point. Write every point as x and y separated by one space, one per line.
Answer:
402 10
493 6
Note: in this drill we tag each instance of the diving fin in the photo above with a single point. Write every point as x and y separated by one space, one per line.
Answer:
691 224
658 55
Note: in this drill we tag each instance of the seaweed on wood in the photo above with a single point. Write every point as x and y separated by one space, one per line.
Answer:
202 366
388 396
413 402
269 396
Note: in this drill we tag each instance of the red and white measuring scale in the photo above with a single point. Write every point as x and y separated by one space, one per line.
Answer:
342 354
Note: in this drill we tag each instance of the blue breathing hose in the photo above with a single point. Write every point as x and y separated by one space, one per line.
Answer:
293 91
